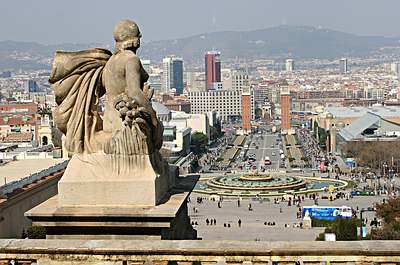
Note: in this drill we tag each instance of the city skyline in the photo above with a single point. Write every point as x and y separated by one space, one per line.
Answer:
231 122
96 20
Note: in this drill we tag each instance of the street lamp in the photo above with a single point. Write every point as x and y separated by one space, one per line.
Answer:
369 209
384 169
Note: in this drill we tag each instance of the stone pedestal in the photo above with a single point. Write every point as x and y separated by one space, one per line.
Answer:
307 222
167 220
112 180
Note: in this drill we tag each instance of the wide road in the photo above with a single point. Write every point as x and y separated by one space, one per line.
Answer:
267 146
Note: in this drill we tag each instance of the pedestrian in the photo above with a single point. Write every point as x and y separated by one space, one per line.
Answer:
207 221
239 223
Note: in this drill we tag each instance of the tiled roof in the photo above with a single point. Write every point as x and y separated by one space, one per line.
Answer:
18 137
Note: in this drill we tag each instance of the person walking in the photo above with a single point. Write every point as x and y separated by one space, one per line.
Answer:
240 223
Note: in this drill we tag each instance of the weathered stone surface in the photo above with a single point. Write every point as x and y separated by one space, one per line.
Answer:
168 220
100 179
207 252
117 185
116 160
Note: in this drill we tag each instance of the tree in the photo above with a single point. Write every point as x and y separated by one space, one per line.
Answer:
216 131
315 128
199 142
258 113
36 232
322 136
213 133
389 212
344 229
373 154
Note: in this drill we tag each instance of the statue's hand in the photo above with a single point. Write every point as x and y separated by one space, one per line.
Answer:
147 91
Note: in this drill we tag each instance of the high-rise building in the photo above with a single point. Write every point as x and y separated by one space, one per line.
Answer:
177 75
394 68
343 67
172 76
146 65
289 65
213 69
285 108
240 79
31 86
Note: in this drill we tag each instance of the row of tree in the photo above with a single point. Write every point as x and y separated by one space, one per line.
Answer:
373 154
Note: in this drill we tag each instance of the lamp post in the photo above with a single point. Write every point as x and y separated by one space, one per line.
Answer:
369 209
384 169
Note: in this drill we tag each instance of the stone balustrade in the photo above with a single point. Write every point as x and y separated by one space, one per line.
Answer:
149 252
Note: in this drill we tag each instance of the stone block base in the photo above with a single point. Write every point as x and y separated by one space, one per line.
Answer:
112 180
168 220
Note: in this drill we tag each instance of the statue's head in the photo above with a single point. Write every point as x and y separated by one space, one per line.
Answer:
127 35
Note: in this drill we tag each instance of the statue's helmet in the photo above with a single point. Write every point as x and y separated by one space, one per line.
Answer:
125 32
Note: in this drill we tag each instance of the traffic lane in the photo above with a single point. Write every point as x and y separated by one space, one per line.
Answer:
261 154
264 149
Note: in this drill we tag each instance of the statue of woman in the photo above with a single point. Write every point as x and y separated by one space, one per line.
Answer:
130 125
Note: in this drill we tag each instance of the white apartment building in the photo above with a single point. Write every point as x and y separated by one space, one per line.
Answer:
166 78
196 122
240 79
289 65
227 103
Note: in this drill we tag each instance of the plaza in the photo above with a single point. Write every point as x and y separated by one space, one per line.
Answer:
252 222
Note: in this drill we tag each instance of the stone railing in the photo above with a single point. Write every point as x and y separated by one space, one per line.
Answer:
124 252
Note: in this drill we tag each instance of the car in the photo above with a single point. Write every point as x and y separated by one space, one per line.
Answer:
272 145
273 154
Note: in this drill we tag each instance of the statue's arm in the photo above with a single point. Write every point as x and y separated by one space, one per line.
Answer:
134 89
132 73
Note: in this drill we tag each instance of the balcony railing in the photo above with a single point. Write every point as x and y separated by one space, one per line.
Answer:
125 252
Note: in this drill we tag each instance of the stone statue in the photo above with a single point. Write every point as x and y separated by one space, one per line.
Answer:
124 145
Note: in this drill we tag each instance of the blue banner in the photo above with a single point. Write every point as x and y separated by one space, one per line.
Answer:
328 213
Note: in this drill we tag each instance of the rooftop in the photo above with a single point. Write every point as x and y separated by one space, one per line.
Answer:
160 108
369 120
15 170
354 112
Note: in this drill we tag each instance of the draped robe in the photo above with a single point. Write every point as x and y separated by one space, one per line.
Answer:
77 84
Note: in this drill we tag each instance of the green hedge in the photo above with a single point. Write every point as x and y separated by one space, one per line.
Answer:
344 229
36 232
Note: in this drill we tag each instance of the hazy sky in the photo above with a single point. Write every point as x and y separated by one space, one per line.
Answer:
88 21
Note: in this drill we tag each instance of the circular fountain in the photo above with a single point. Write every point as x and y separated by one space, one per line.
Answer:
263 184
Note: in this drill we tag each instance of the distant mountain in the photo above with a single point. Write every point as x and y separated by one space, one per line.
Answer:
280 41
275 42
16 55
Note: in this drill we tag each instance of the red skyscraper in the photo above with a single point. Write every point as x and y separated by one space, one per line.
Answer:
213 68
